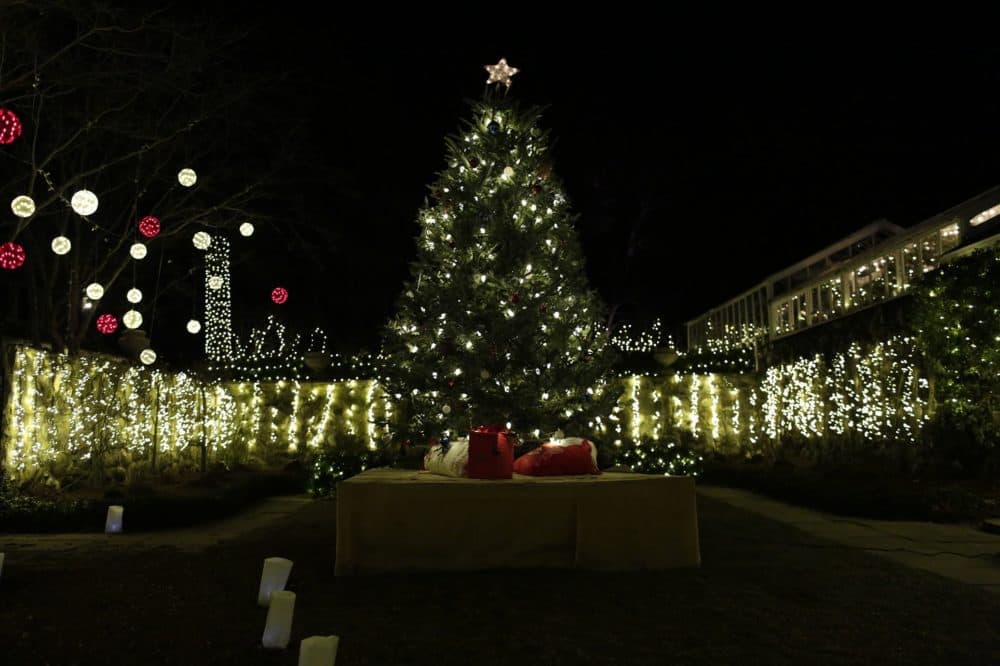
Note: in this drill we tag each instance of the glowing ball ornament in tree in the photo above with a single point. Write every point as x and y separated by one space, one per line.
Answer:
132 319
94 291
138 251
107 324
279 295
10 127
193 326
246 230
215 282
149 226
23 206
11 256
187 177
61 245
133 296
84 202
201 240
147 356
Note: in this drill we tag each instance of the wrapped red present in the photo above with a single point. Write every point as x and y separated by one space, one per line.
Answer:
491 453
564 456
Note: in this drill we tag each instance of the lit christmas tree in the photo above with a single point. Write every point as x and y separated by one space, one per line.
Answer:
498 324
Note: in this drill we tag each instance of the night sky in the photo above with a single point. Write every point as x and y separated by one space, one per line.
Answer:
698 164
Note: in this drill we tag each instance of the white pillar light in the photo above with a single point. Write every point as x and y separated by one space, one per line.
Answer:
113 523
278 627
318 651
273 578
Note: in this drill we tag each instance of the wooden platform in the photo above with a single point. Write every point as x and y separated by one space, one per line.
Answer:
406 520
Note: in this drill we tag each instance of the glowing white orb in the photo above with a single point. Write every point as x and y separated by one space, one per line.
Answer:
84 202
147 356
187 177
133 295
485 374
61 245
23 206
193 326
246 229
138 250
95 291
446 409
215 282
132 319
201 240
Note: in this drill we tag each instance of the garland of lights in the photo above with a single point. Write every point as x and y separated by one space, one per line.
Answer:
218 303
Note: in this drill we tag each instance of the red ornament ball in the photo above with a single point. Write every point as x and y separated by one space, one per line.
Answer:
473 162
149 226
279 295
11 256
10 126
515 298
543 308
536 189
107 324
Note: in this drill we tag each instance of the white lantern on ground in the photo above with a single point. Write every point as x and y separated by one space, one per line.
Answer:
246 229
193 326
23 206
278 627
318 651
113 523
273 578
187 177
138 250
133 295
84 202
95 291
147 356
132 319
201 240
61 245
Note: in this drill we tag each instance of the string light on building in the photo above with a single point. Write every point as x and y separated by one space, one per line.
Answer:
132 319
133 296
187 177
279 295
10 127
149 226
138 251
11 256
201 240
193 326
147 356
246 230
23 206
94 291
107 324
218 303
61 245
84 202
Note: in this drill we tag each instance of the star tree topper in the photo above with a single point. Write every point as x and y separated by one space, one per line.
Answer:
501 72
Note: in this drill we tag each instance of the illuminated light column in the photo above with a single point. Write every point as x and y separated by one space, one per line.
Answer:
218 303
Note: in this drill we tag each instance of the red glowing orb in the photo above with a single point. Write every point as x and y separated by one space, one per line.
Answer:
149 226
10 126
279 295
11 256
107 324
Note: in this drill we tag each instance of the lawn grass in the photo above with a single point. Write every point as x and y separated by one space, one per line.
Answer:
760 597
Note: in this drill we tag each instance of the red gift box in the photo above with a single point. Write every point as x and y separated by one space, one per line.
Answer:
491 453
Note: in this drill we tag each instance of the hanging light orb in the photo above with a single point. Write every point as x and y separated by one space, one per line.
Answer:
132 319
279 295
187 177
10 126
201 240
107 324
215 283
61 245
246 229
23 206
138 250
133 295
11 256
149 226
147 356
84 202
193 326
94 291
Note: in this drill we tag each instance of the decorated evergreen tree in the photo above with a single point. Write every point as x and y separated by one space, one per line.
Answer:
497 324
